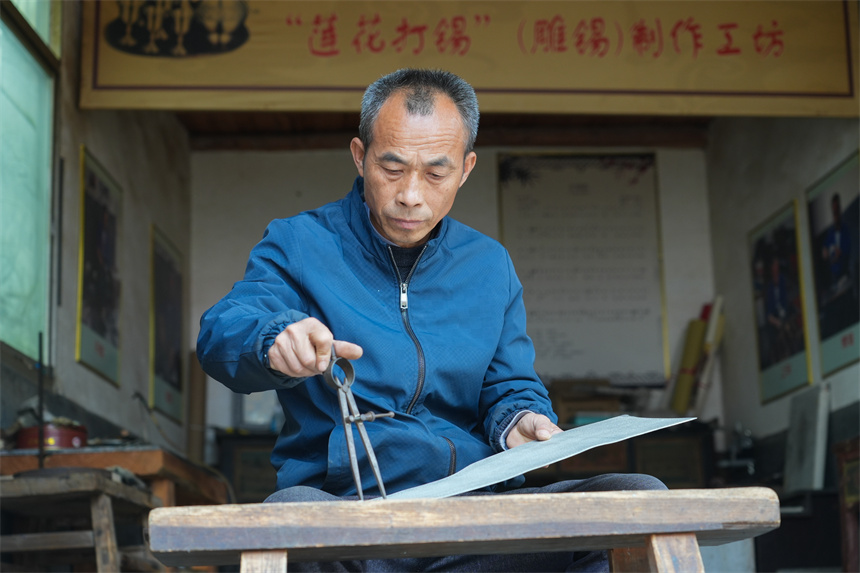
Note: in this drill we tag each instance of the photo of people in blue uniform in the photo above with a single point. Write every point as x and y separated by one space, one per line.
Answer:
833 219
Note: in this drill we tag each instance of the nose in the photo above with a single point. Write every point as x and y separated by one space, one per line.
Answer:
410 193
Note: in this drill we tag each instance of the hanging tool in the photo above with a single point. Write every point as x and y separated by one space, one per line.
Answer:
349 410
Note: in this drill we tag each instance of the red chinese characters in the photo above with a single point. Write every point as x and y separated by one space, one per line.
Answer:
367 37
450 35
589 37
729 47
597 37
770 42
593 37
644 37
323 39
687 28
404 31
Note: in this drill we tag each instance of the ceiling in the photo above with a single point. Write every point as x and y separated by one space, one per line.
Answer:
258 130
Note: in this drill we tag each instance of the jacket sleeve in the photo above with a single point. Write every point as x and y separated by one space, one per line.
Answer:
511 383
237 332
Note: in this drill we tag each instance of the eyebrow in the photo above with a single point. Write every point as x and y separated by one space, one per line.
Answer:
393 158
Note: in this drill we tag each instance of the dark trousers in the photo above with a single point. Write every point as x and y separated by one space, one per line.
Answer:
528 562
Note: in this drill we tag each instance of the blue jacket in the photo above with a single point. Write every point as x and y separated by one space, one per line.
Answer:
446 350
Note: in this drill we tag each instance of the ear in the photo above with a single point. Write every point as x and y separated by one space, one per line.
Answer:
468 165
356 147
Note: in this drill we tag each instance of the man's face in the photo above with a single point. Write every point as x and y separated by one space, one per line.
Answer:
412 169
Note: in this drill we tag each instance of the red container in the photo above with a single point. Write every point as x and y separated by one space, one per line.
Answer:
56 437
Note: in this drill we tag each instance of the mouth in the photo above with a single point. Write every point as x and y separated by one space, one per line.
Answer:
407 224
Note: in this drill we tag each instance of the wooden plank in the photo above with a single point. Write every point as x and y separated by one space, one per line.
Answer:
628 560
264 562
46 541
207 535
677 553
19 492
104 534
147 464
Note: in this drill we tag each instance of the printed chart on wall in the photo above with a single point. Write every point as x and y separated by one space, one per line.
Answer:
582 231
99 288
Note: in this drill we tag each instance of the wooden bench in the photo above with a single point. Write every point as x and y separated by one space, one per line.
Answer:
656 530
49 503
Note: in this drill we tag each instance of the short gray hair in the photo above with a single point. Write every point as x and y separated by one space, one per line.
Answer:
420 88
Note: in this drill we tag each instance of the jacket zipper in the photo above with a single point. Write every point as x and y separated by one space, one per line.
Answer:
404 314
453 466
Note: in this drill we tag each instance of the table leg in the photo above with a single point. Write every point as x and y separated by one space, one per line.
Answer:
104 534
164 489
628 560
264 562
675 553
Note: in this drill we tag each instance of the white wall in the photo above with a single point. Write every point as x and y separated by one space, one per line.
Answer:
236 194
755 167
148 155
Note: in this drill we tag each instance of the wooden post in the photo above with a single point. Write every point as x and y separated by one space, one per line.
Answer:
264 562
628 560
165 490
104 534
675 553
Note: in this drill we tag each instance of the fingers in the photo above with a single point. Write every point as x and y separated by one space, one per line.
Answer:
348 350
544 428
304 349
531 427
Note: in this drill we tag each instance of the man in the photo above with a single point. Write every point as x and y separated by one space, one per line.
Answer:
433 309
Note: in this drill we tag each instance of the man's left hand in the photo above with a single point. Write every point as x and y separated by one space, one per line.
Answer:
531 427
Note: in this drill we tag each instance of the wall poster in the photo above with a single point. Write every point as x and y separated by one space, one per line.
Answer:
583 233
781 331
165 328
832 206
98 329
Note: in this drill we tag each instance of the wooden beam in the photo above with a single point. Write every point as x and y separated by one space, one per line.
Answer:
332 531
20 492
46 541
675 136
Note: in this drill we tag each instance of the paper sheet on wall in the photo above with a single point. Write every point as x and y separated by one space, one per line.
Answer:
533 455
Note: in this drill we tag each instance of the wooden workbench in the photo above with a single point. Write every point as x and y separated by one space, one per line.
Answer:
656 530
175 480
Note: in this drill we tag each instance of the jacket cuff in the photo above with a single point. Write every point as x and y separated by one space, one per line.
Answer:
507 425
267 338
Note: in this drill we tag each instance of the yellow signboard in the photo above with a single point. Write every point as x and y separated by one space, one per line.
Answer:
627 57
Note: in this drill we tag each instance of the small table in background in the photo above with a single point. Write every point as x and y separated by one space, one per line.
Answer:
172 478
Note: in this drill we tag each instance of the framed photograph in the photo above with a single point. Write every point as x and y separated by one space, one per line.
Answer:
778 300
832 206
97 338
165 328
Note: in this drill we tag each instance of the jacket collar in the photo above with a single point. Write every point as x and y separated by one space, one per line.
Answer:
359 221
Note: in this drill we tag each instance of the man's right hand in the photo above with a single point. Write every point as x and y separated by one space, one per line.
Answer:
304 349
